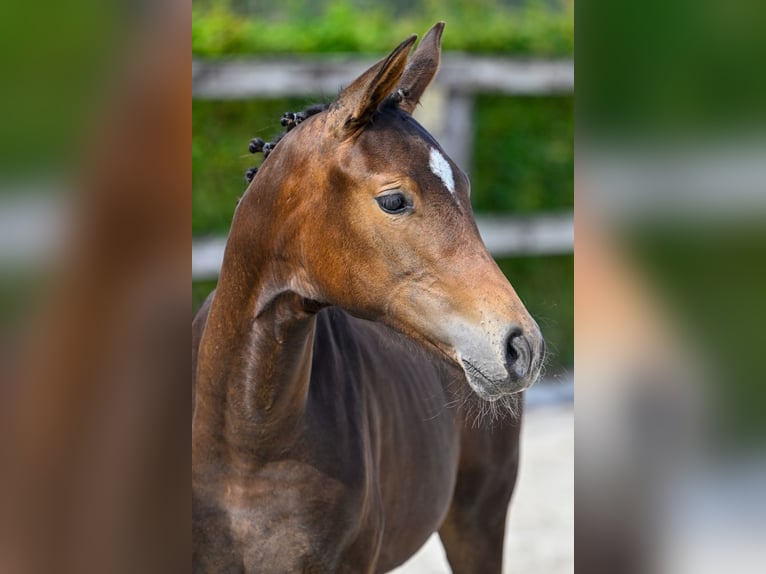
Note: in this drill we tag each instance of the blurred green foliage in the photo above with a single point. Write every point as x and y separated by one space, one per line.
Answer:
220 134
713 279
523 155
683 69
20 290
546 286
55 66
200 290
225 27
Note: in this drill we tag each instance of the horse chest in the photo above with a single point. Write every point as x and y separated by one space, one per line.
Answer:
382 410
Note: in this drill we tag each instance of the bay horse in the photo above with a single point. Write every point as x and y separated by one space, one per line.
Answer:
356 300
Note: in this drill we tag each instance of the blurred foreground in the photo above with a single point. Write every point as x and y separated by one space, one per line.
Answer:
669 288
94 447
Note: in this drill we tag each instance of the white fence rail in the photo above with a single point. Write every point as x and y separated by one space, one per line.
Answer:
280 77
451 96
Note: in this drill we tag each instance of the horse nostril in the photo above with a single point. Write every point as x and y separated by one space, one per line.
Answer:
511 354
518 353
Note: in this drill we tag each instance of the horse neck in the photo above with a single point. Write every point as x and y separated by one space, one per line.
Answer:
254 360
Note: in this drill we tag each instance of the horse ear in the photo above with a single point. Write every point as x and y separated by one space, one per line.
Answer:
362 98
421 69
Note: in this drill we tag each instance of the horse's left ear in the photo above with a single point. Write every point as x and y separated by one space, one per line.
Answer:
361 99
421 68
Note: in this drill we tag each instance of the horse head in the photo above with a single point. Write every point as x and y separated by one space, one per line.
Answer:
364 210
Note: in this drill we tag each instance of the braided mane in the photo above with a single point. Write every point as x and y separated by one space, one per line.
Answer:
289 120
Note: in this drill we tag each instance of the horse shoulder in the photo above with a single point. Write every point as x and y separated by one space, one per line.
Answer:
312 522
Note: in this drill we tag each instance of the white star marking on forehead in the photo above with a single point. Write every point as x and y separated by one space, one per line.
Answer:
442 169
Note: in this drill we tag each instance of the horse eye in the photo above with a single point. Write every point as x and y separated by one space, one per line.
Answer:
392 203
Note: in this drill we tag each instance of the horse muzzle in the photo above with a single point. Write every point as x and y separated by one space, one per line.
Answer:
498 364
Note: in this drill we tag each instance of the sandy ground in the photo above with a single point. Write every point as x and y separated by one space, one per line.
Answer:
540 535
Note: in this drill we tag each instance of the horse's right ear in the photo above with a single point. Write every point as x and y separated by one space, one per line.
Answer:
357 103
421 69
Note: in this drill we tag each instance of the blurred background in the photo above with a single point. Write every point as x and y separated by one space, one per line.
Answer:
502 106
95 203
670 283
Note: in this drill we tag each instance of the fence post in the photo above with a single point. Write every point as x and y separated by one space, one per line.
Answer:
457 134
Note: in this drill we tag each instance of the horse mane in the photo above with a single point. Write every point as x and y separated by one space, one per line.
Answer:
290 120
